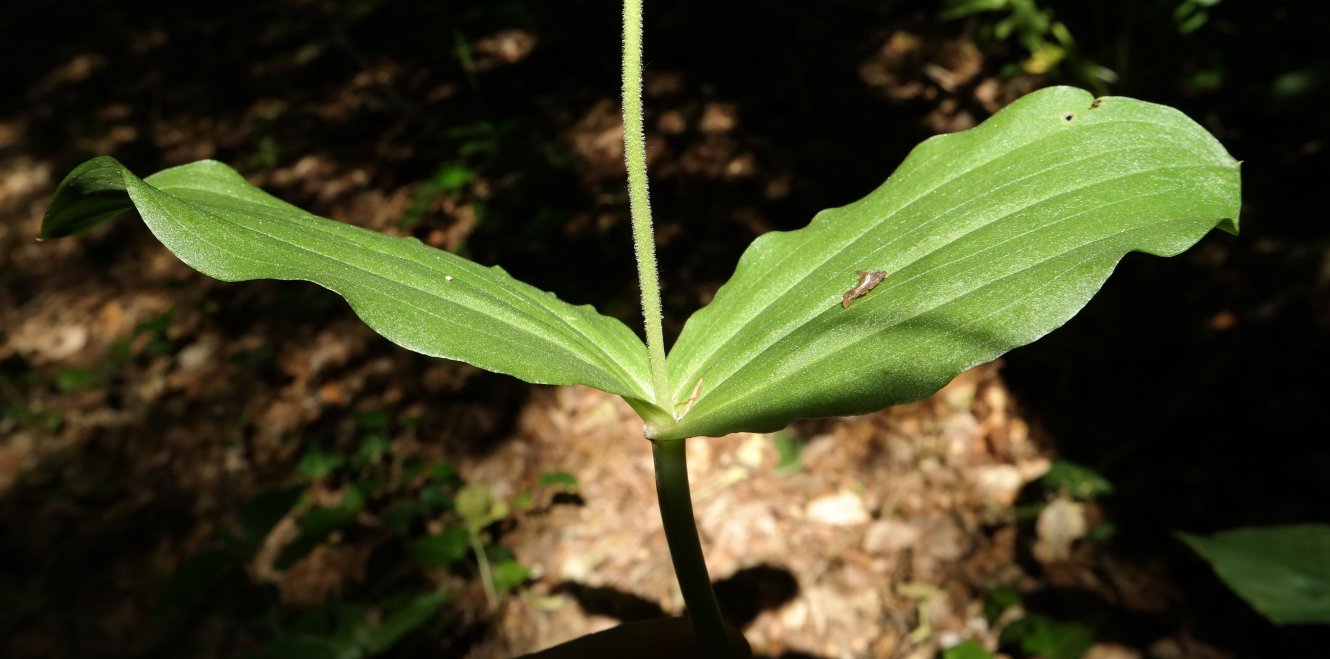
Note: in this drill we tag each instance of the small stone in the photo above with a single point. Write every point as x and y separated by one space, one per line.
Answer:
997 484
941 539
719 118
1060 523
196 355
840 509
752 451
889 535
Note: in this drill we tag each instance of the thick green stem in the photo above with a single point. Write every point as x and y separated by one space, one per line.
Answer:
690 568
639 205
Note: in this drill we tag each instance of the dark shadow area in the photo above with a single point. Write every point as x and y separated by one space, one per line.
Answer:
567 499
1190 382
742 597
611 602
752 590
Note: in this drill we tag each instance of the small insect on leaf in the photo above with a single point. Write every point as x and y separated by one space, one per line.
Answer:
867 282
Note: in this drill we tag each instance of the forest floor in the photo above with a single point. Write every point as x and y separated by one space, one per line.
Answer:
144 404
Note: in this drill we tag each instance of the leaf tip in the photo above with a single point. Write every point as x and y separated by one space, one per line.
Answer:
90 194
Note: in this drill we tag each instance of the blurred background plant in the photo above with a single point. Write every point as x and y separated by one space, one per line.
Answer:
1047 44
424 533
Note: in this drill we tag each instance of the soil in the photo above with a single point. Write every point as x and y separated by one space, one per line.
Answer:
144 403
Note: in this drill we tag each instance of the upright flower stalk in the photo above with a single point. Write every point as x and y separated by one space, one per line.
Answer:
639 203
676 505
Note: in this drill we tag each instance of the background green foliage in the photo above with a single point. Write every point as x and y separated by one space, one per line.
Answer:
421 516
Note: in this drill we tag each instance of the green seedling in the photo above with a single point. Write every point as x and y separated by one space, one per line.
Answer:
1076 481
1040 636
479 508
993 237
1046 41
966 650
789 448
1033 634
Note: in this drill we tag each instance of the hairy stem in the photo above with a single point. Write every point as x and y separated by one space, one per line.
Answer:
690 568
676 504
639 205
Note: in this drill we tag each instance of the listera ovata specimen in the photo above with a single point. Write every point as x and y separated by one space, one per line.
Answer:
867 282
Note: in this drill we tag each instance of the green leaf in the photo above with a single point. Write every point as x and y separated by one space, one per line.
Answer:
336 619
509 574
1045 637
375 420
445 474
955 9
966 650
1076 480
479 507
371 451
420 298
433 499
319 523
444 549
399 517
318 461
1000 599
263 512
991 238
1281 571
403 620
789 449
77 379
561 478
451 178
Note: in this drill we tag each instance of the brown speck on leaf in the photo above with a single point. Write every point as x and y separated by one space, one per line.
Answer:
1097 102
1069 116
688 404
867 282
